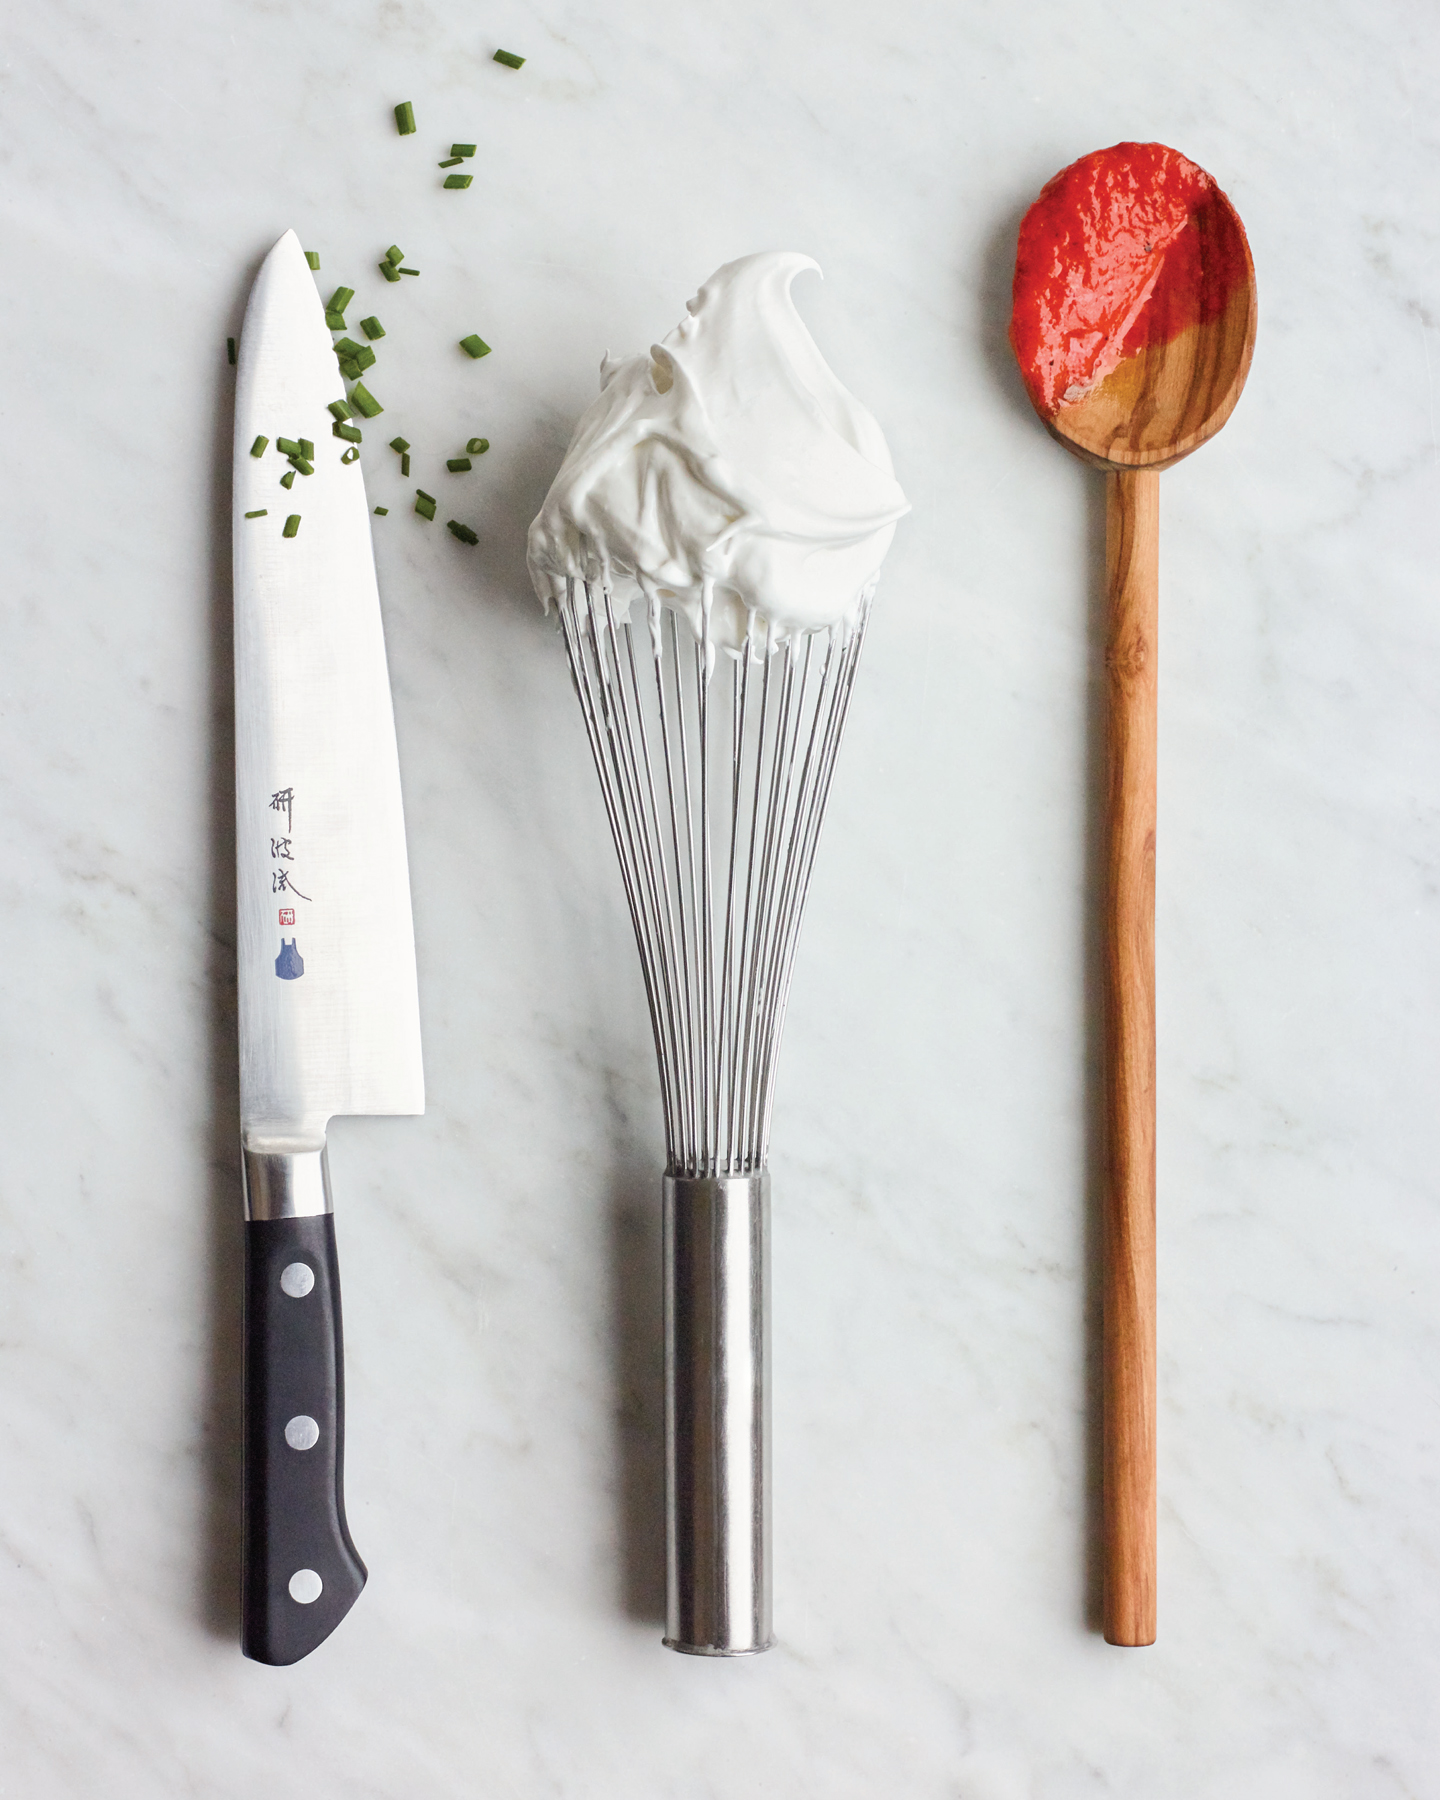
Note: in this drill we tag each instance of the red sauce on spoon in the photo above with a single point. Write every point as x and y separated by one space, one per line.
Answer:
1122 251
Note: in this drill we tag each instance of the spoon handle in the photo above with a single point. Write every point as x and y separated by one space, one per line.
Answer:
1132 542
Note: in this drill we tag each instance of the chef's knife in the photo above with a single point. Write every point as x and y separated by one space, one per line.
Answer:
329 1013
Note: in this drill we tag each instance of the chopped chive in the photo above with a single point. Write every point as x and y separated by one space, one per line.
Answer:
405 118
405 464
351 455
372 327
463 532
259 514
365 356
462 149
334 321
477 446
303 464
449 163
400 444
287 446
474 345
458 465
349 369
510 59
458 181
409 271
394 254
230 350
340 410
364 401
307 449
424 496
292 525
425 506
313 258
348 347
382 510
258 447
340 299
350 433
288 479
389 272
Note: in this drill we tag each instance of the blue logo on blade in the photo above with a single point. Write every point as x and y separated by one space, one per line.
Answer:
289 964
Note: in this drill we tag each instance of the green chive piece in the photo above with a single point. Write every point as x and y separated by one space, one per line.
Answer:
424 504
394 254
463 532
303 464
350 433
372 327
287 446
350 370
313 258
365 356
230 350
334 321
405 118
292 525
364 401
351 455
405 465
409 271
382 510
458 465
307 449
462 149
474 345
477 446
340 299
339 410
510 59
400 444
260 514
424 496
258 447
288 479
348 347
458 181
389 272
449 163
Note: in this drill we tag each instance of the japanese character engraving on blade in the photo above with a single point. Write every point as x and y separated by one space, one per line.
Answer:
329 1014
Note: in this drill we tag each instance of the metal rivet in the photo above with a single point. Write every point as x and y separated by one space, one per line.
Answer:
305 1586
297 1279
302 1433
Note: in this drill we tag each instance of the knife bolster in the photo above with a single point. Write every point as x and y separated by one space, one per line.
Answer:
287 1184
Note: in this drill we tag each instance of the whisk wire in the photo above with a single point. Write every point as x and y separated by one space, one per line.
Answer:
715 856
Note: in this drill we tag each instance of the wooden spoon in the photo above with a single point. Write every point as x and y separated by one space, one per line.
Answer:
1133 324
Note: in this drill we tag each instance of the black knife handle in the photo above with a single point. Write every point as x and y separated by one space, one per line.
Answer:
302 1573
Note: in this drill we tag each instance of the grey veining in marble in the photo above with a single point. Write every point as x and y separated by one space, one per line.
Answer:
934 1160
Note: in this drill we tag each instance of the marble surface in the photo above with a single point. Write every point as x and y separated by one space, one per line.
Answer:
934 1135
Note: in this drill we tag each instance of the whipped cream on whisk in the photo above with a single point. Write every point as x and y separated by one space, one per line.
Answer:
727 475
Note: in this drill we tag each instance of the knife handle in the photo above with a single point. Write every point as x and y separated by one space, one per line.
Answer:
302 1573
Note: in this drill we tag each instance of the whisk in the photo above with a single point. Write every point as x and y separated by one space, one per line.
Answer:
715 766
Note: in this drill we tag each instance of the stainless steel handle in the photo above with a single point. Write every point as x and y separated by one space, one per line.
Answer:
717 1414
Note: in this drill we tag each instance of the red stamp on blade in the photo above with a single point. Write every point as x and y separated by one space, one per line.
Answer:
287 915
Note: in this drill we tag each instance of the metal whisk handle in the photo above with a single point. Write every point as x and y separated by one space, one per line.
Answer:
717 1414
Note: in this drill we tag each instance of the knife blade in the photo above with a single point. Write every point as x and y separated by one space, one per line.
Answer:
328 999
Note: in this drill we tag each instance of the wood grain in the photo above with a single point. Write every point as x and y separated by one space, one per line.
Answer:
1158 406
1132 533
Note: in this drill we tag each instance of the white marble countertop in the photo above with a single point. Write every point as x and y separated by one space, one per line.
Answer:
934 1135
